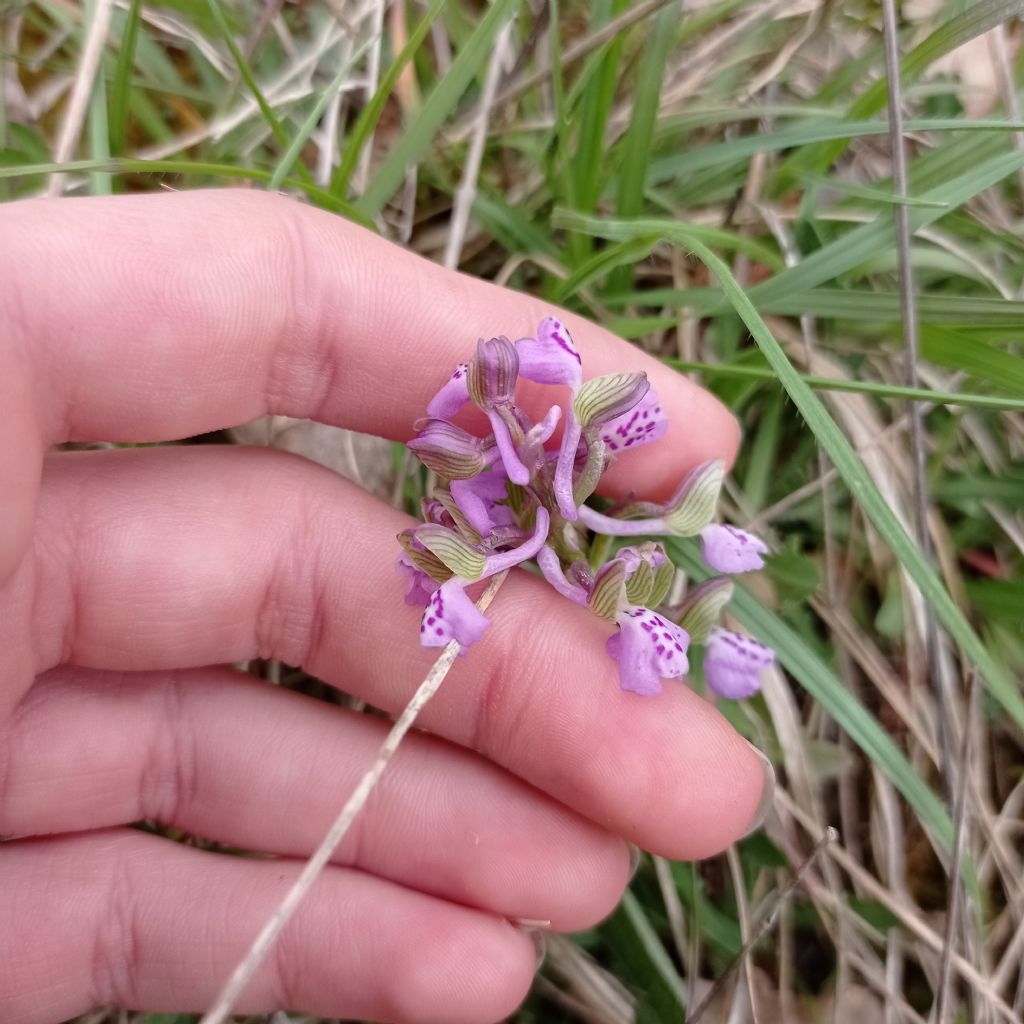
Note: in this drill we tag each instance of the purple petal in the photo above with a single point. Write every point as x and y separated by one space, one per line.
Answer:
478 499
648 649
514 467
451 615
551 357
551 567
644 423
729 549
506 559
564 469
733 663
418 585
452 397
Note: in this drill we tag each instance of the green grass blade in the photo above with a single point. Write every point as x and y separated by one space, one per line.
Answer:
863 387
121 87
124 165
638 141
961 352
853 304
867 240
722 154
370 114
647 963
97 128
291 154
588 166
250 80
436 107
978 17
839 256
851 469
825 687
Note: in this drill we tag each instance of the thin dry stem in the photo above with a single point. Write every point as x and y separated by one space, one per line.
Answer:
261 945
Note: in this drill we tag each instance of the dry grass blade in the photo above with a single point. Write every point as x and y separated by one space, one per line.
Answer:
85 75
466 191
261 945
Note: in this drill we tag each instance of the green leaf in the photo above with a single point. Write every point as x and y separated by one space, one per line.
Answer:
121 89
825 687
647 964
123 165
961 352
291 154
638 142
819 129
848 463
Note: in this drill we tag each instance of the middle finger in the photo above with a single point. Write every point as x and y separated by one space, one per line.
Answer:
229 758
170 558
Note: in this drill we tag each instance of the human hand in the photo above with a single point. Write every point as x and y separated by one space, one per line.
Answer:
128 577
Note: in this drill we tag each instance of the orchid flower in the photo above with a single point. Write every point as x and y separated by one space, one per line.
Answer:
729 549
733 663
504 499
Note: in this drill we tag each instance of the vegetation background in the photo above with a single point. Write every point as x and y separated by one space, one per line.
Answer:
605 154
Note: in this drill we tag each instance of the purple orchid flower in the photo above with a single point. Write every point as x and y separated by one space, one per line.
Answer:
452 396
729 549
479 500
450 451
503 500
644 423
733 664
551 357
648 648
419 586
451 615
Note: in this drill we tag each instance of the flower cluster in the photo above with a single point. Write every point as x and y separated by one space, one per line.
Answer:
504 499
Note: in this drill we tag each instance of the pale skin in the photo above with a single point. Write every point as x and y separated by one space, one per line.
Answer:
129 578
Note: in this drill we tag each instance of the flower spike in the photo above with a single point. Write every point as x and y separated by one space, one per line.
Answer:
504 499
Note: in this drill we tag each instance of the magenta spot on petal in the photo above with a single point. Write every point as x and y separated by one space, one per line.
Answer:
660 649
430 621
439 631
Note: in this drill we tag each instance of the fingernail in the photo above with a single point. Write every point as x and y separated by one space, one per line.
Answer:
636 857
764 805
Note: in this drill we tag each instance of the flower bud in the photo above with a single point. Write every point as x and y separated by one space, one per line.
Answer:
693 506
449 450
664 574
608 590
493 373
604 398
452 551
422 558
702 607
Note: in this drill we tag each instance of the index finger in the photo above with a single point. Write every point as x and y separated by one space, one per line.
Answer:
157 317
